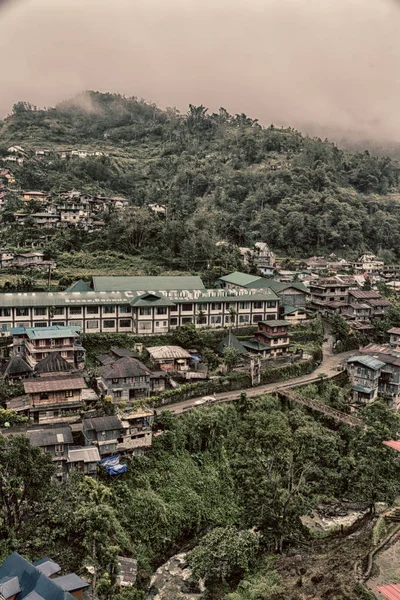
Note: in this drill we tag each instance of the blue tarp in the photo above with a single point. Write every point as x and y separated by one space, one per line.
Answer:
196 358
116 469
110 460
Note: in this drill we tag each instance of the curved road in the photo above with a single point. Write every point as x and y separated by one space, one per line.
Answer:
331 365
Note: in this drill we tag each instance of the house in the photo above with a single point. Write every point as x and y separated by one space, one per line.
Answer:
127 571
328 290
264 258
364 373
136 432
36 196
275 336
6 175
159 209
53 364
369 264
32 260
16 369
104 433
125 379
170 358
84 460
295 314
36 343
48 220
394 333
6 259
53 400
56 442
22 580
16 150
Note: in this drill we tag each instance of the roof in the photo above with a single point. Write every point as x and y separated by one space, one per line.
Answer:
395 330
124 367
53 363
237 278
391 591
364 294
231 341
395 444
151 299
257 346
71 582
120 352
79 286
16 366
277 286
47 566
361 388
86 455
45 333
50 437
164 282
34 585
9 586
102 423
367 361
276 323
379 302
54 385
289 310
167 352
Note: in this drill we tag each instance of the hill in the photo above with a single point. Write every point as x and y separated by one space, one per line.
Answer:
221 177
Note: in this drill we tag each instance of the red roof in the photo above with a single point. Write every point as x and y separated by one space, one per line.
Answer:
392 592
396 445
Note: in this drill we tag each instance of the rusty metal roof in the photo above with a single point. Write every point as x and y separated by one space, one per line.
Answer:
391 592
395 444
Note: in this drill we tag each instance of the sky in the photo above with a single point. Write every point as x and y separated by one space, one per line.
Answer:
326 67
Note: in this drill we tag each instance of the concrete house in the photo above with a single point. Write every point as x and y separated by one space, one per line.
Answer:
274 335
394 333
104 433
84 460
136 433
364 373
36 343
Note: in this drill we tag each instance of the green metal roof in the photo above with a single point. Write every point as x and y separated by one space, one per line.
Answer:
258 346
156 283
231 341
237 278
276 323
367 361
79 286
277 286
360 388
151 300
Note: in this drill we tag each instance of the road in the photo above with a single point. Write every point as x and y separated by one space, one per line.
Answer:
330 367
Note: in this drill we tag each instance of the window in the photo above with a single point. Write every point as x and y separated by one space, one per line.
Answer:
5 326
22 312
117 394
186 320
187 307
258 304
109 324
216 320
75 310
125 322
174 308
174 321
40 324
257 318
216 306
92 325
271 304
76 323
109 309
203 307
244 305
59 449
5 312
244 318
115 380
144 326
92 310
162 310
125 309
69 393
59 310
144 312
40 312
44 396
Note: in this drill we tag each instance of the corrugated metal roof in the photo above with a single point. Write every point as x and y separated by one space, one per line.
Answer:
79 286
89 454
54 385
47 566
395 330
238 278
163 282
364 294
50 437
160 352
364 390
276 323
395 444
124 367
102 423
391 591
367 361
71 582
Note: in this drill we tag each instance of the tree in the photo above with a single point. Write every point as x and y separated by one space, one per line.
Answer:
210 359
231 356
223 553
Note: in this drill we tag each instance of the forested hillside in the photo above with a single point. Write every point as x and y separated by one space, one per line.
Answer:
221 177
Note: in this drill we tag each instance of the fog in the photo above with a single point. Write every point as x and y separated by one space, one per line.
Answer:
328 67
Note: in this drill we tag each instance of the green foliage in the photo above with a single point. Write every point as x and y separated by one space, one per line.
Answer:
231 357
223 553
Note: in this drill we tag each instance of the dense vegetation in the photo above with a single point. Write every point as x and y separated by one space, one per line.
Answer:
221 177
241 474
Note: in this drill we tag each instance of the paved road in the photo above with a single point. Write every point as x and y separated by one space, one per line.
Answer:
331 365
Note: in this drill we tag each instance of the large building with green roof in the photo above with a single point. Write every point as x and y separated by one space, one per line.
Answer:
293 293
139 305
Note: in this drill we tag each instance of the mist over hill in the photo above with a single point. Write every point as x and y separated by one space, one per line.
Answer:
221 177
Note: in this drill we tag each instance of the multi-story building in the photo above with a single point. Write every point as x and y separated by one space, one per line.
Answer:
36 343
274 337
368 263
394 333
132 309
56 442
52 399
292 293
328 291
126 379
364 373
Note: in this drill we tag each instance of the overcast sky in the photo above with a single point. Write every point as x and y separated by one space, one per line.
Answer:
324 66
